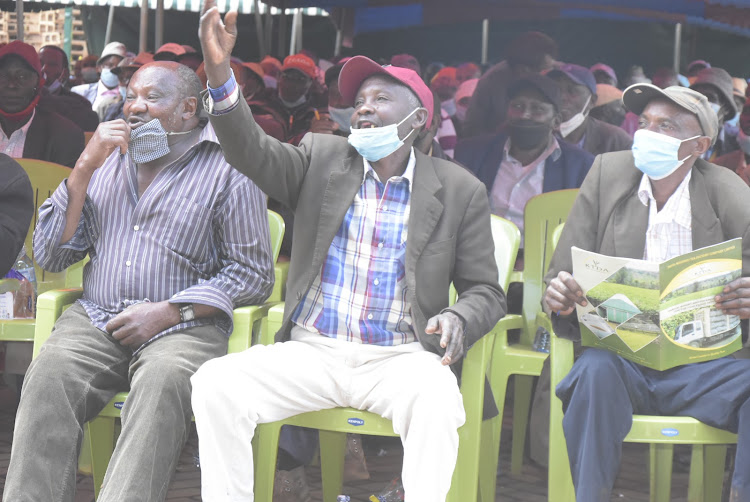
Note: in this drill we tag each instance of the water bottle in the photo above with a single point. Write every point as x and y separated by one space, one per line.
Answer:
343 498
25 267
541 340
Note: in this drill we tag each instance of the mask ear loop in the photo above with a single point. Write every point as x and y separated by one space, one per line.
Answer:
681 142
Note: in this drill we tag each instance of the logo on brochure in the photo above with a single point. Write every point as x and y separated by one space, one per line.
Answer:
670 432
594 265
356 422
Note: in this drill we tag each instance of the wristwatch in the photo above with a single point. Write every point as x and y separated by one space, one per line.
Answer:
186 312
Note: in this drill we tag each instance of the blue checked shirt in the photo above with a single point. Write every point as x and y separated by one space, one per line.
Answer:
359 294
198 234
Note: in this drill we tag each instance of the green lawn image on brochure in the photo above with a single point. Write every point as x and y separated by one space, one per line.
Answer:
659 315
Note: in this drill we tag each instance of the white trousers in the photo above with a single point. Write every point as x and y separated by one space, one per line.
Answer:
266 383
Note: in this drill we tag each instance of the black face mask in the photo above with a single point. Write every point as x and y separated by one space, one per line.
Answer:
527 134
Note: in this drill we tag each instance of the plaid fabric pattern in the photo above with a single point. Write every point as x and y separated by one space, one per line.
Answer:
225 97
670 231
360 293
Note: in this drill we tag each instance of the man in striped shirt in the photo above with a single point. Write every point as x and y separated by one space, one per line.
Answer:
381 232
177 238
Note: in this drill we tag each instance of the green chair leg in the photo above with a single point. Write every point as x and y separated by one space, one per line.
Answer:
695 481
559 480
661 471
332 455
490 447
714 458
265 472
521 408
102 441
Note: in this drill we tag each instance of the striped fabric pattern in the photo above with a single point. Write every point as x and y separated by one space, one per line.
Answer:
198 234
360 293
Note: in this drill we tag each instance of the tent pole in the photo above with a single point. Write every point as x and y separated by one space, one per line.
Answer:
259 30
159 22
110 20
337 48
19 20
485 39
268 30
282 30
143 38
68 40
677 46
293 39
300 22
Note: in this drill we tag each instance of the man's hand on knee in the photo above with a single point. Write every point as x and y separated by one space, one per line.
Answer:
451 329
137 324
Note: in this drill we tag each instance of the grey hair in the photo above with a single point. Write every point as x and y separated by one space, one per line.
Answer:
189 84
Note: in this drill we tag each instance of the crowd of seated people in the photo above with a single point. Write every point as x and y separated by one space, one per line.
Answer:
386 176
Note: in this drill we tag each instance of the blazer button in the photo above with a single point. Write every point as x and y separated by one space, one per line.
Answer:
299 295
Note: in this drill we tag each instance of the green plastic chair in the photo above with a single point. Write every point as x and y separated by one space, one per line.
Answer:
709 443
542 215
333 424
101 430
45 177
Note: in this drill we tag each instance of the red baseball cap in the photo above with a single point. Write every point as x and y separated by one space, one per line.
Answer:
360 68
302 63
25 52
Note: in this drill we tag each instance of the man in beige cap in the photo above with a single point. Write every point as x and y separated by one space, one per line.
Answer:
113 53
658 201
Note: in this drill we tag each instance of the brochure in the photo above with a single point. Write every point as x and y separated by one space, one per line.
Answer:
659 315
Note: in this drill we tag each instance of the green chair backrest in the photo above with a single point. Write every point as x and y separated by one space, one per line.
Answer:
556 235
45 177
542 215
277 227
507 239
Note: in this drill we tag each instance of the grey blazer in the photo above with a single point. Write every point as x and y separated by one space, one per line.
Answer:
608 218
449 224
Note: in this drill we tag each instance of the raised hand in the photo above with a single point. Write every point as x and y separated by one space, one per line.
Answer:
217 41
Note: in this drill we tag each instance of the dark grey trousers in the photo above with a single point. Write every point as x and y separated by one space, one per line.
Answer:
79 370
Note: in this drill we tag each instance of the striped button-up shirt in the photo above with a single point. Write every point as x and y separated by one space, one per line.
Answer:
359 294
198 234
670 231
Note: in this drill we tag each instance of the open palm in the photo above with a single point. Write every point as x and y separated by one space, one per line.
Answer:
217 40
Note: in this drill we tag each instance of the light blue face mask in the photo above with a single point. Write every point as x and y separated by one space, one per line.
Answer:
375 143
343 117
656 154
109 79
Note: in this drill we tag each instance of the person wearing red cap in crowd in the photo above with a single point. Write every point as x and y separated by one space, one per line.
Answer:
291 103
444 84
271 67
467 71
57 97
29 131
382 231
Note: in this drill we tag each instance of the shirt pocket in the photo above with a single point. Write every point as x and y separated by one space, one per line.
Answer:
189 232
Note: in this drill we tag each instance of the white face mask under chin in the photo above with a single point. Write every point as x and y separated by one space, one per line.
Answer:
575 121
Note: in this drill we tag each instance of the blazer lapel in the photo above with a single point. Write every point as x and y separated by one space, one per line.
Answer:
426 209
630 224
491 161
706 227
339 193
553 174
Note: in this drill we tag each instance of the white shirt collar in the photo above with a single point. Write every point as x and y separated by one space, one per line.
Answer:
408 173
677 207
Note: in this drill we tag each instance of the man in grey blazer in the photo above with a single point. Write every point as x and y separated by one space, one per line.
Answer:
367 321
656 202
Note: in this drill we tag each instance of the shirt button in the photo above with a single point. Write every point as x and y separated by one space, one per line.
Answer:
376 282
380 244
369 316
127 263
385 208
136 228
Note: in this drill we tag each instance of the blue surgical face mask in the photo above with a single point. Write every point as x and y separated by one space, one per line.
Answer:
343 117
656 155
375 143
123 91
109 79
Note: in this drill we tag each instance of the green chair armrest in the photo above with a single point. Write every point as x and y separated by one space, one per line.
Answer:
248 321
281 271
275 319
49 306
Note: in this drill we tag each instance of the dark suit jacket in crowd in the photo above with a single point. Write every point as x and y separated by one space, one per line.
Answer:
482 156
601 137
72 106
16 210
609 218
53 138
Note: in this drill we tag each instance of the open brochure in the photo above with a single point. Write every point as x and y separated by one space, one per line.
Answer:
659 315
